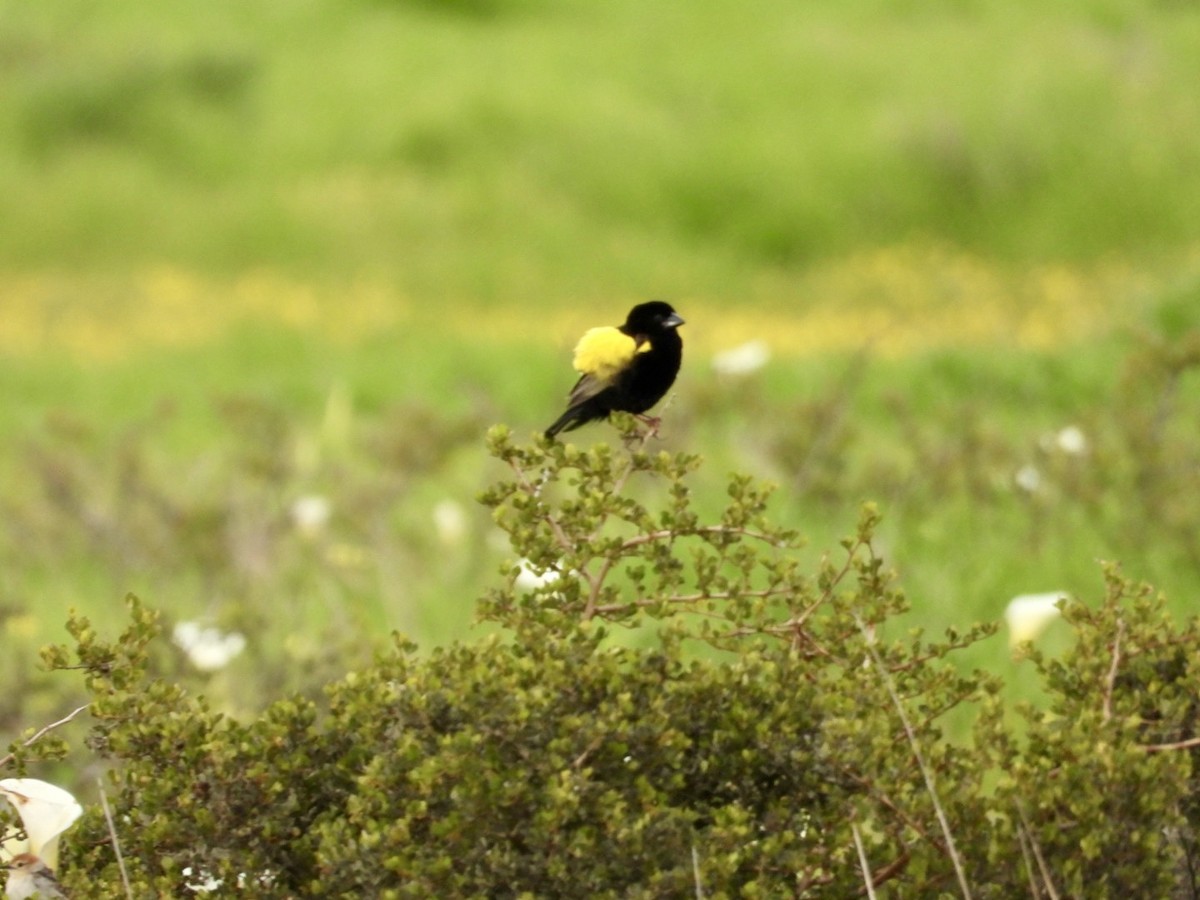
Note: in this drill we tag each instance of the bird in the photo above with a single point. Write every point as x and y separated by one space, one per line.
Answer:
29 877
624 368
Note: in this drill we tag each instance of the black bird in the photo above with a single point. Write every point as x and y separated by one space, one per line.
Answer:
624 369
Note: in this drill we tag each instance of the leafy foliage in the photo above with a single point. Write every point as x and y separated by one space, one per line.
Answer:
680 708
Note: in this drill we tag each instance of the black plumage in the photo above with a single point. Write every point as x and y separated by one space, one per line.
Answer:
627 368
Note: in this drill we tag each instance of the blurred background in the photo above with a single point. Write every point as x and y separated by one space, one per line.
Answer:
269 270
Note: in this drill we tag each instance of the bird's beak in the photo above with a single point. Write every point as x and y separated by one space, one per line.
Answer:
673 321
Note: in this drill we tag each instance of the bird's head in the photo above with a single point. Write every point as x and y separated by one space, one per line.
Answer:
651 318
23 862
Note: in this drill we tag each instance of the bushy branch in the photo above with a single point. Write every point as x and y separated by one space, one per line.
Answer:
771 729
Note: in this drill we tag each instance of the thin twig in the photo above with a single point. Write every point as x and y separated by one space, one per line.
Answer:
696 873
1110 680
639 443
587 751
894 868
873 789
686 599
671 534
1187 744
862 861
915 662
926 772
596 581
882 875
595 586
1037 853
559 535
1034 891
851 555
41 733
112 831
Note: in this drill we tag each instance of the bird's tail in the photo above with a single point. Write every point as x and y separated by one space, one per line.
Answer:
568 420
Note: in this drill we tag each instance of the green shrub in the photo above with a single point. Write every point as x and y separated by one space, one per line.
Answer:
677 708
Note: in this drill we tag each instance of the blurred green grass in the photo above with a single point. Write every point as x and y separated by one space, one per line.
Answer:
256 253
530 151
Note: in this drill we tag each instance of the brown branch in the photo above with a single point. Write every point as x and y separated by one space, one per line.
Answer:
937 652
892 869
936 712
595 581
116 844
1110 680
1186 744
689 599
887 873
926 772
622 478
1037 853
528 486
1027 854
696 873
670 533
864 864
587 751
792 627
41 733
595 585
819 648
873 790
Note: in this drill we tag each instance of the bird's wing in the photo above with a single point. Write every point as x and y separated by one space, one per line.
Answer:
600 356
603 353
587 387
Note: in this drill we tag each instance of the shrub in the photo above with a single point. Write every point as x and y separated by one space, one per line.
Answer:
677 706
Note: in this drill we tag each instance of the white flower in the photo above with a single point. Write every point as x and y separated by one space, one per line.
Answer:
46 811
1028 615
310 514
744 359
531 576
207 648
1028 479
204 882
450 521
1071 440
207 885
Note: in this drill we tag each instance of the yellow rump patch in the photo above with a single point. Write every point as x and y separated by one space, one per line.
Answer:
603 352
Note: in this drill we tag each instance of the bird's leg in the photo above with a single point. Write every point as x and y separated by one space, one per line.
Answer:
652 422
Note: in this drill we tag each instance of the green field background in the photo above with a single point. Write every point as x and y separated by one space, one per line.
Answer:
259 255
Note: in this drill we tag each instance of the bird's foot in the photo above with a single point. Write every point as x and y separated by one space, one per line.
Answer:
652 423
